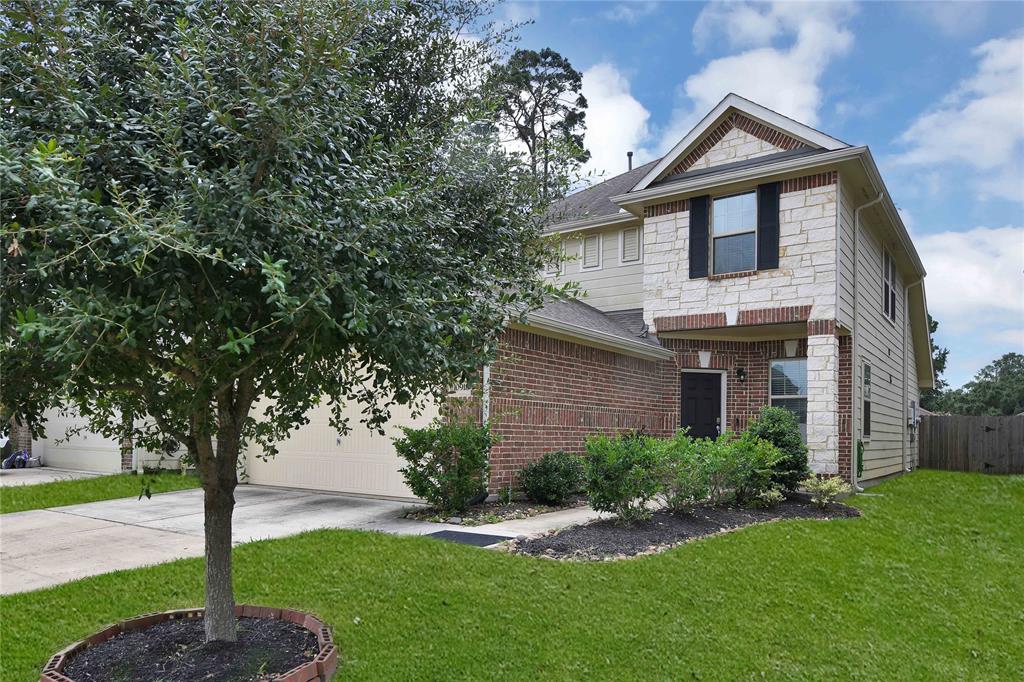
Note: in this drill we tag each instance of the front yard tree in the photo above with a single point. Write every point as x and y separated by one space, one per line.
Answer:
220 214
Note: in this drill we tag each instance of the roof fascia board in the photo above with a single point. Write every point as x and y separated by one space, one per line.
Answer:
774 119
634 198
891 212
596 338
588 223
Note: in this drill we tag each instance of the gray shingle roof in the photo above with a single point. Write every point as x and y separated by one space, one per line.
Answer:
625 325
593 201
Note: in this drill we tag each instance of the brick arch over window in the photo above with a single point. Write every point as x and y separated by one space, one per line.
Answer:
747 125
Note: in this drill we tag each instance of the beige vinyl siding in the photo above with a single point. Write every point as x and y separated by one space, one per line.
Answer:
880 343
613 286
845 260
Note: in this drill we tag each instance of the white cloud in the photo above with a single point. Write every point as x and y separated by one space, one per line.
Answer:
979 124
629 12
975 278
616 121
519 12
954 19
782 78
1014 338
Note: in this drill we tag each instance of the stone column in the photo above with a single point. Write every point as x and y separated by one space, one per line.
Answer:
822 397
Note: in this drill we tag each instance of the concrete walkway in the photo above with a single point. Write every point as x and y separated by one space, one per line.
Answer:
13 477
48 547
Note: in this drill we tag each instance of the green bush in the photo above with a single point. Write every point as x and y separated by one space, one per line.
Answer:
552 478
825 490
779 427
717 471
622 474
447 463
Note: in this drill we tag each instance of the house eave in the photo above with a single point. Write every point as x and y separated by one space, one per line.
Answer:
592 337
621 218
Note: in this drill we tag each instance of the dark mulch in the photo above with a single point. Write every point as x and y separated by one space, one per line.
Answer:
494 512
175 651
608 539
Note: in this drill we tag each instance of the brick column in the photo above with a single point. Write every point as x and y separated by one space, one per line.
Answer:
21 437
823 396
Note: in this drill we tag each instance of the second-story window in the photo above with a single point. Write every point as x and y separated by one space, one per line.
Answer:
591 256
629 245
734 229
888 286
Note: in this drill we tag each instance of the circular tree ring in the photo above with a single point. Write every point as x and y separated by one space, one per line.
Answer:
320 669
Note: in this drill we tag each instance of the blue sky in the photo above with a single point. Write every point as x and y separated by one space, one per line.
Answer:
935 89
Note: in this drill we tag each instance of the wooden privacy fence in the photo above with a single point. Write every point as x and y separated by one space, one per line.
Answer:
990 445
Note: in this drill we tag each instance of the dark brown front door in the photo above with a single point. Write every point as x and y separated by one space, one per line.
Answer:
700 403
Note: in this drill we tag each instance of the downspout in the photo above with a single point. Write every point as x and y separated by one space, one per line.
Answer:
855 356
485 396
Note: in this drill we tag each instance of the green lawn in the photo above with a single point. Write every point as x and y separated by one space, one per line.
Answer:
927 585
59 493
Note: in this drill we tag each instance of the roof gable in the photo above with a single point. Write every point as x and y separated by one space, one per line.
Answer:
762 131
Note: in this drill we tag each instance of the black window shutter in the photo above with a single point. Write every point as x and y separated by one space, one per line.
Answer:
698 237
768 226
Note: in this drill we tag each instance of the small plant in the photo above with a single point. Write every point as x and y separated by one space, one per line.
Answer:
779 427
505 495
755 461
552 478
622 474
825 490
447 463
766 499
686 481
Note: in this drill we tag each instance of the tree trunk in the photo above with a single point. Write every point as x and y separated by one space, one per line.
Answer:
220 594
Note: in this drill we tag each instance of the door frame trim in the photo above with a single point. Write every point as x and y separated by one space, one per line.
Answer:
723 425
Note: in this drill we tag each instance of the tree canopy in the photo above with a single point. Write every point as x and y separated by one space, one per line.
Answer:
996 390
213 206
540 102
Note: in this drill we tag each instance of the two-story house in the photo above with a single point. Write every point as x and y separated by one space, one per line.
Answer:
770 261
759 262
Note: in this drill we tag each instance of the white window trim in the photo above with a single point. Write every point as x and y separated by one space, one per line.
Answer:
888 279
600 252
865 369
805 397
639 246
712 236
722 423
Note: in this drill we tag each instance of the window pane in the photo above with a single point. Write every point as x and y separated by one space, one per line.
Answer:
798 406
734 254
789 377
591 252
735 214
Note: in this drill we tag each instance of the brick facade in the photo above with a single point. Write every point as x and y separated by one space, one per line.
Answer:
737 138
550 394
846 407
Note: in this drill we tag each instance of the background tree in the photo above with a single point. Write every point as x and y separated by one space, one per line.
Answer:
541 105
219 215
997 389
930 397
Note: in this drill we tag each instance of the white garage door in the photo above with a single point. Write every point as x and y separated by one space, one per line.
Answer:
85 451
315 457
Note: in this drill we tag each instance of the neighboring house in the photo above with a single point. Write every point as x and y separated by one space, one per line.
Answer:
758 262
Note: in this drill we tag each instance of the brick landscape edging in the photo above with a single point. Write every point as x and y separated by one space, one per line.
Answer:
320 669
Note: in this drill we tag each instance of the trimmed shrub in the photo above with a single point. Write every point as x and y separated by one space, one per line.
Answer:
825 490
622 474
447 463
552 478
717 471
779 427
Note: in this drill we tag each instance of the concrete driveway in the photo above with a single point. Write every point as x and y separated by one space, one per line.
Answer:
13 477
51 546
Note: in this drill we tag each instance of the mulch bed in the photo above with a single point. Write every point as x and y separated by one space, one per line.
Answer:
176 651
494 512
606 539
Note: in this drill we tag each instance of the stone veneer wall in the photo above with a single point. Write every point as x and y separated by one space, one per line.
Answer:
807 259
735 145
550 394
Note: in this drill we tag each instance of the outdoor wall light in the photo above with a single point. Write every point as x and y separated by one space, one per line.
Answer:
741 374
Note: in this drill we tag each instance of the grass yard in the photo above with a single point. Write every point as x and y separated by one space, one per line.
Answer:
59 493
927 585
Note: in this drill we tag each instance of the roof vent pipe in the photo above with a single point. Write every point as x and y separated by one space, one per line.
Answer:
629 160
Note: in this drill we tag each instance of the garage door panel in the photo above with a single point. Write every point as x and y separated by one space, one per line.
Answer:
82 450
316 457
